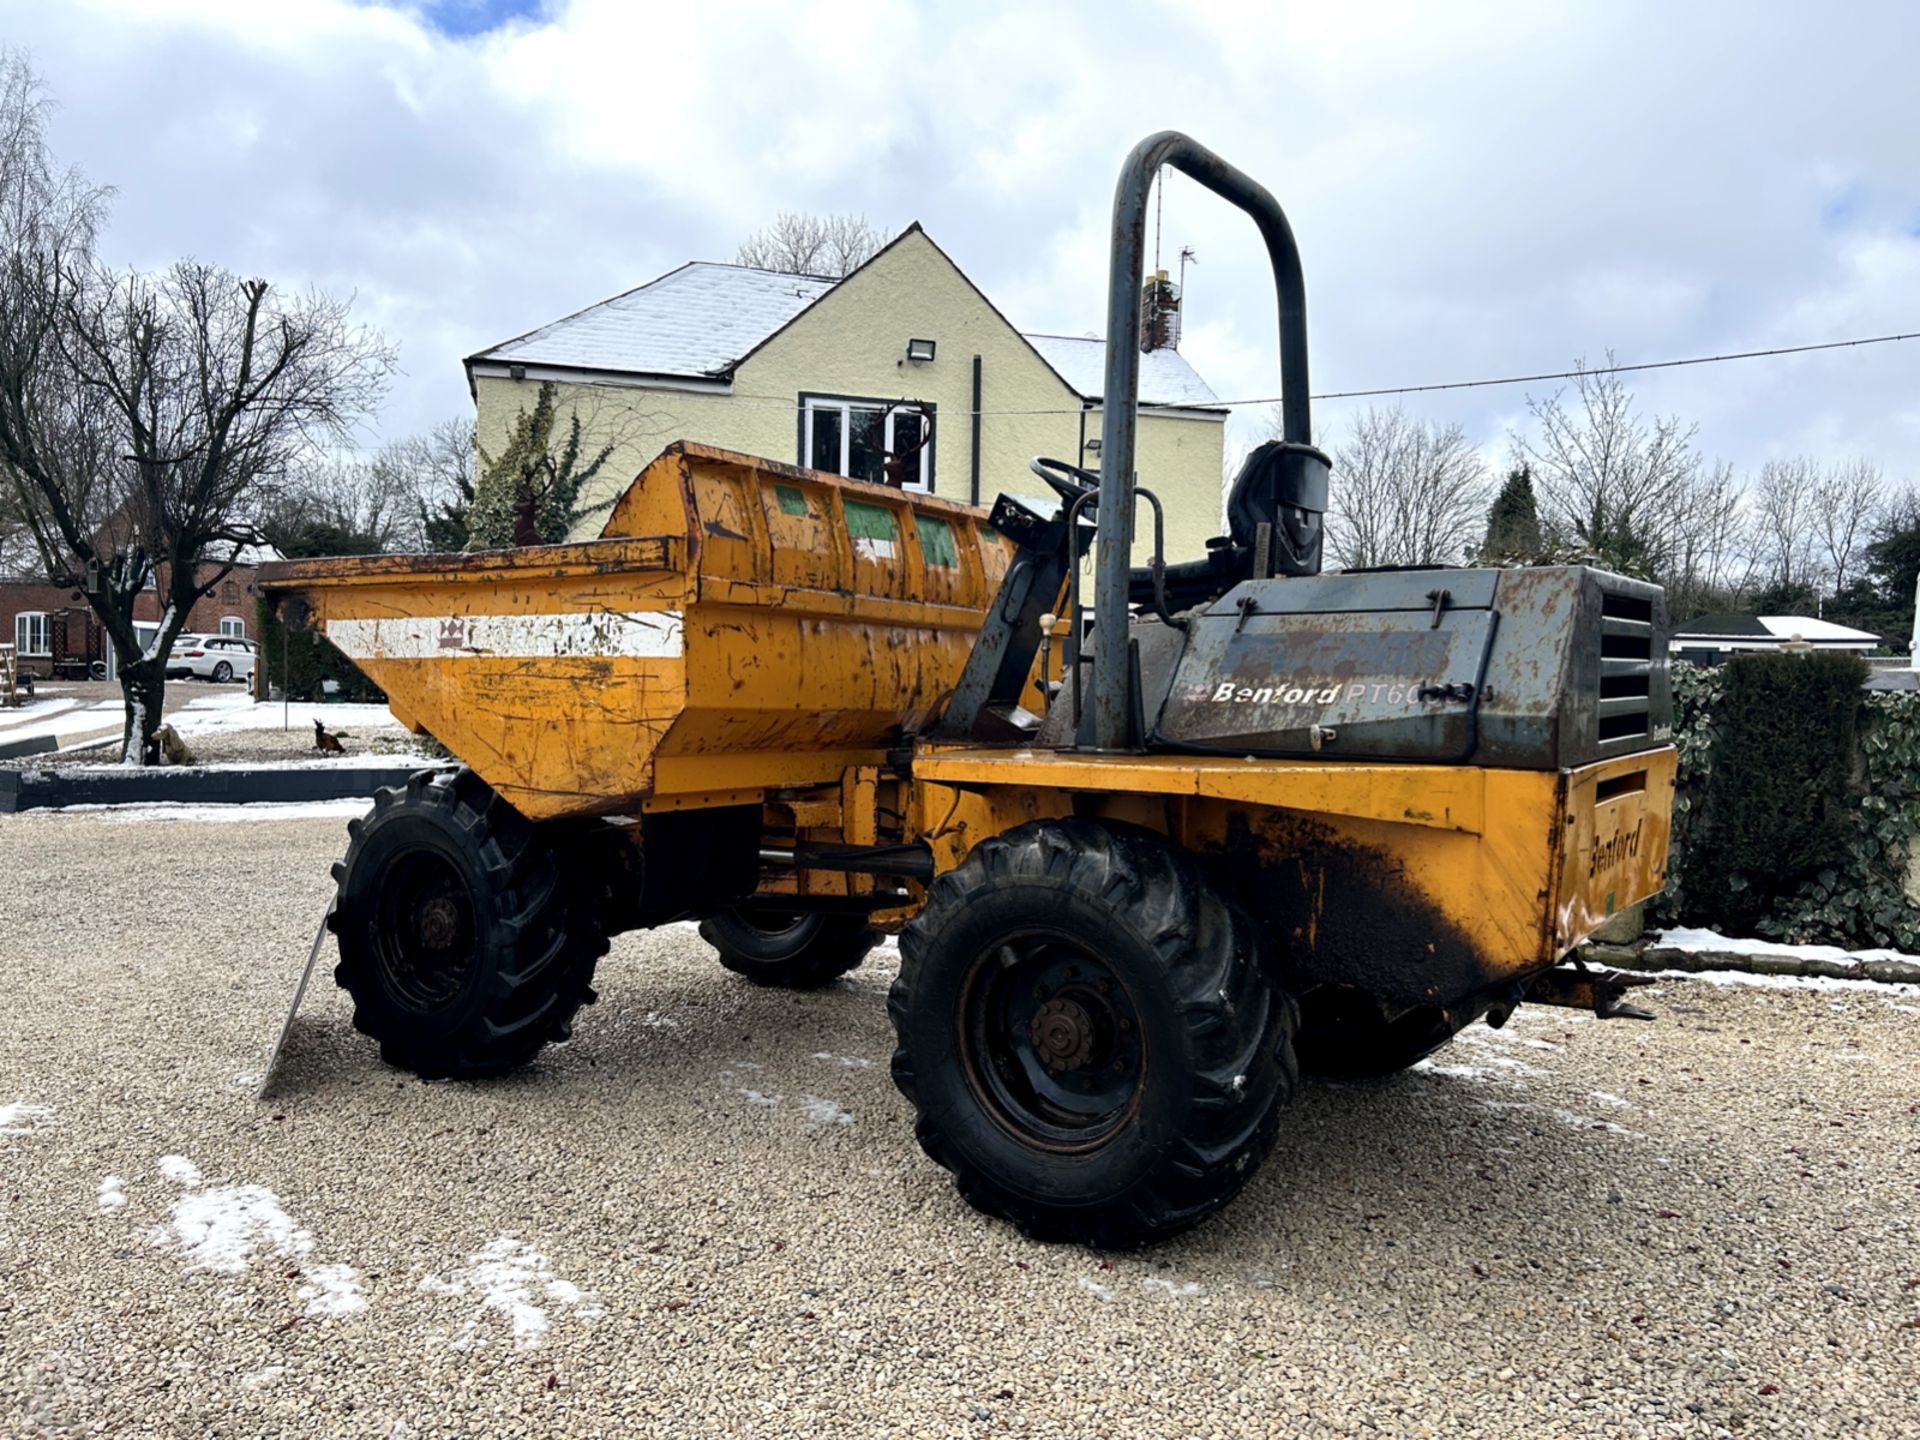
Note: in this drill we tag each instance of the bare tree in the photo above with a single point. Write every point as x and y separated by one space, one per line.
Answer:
1848 500
1609 481
143 419
1404 492
825 246
1785 526
1706 543
215 388
436 472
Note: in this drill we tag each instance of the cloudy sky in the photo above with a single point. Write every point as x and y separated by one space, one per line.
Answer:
1478 190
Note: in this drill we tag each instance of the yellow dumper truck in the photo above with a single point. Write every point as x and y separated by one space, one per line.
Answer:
1148 859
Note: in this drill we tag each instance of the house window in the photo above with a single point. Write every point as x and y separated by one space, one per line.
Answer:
234 626
30 633
847 435
230 591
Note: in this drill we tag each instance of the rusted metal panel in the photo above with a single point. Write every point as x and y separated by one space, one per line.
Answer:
1386 685
1421 886
739 625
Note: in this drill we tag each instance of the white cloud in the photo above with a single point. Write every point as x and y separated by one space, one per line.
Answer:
1475 193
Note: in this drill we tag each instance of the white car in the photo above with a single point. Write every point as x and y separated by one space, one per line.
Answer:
219 658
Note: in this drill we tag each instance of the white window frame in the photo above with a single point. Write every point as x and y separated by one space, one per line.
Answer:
239 630
21 644
846 405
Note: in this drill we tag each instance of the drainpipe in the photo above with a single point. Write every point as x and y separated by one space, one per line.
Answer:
973 489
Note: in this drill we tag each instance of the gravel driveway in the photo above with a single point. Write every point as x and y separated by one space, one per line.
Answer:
707 1214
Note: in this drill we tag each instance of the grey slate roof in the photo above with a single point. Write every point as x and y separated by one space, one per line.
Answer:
701 320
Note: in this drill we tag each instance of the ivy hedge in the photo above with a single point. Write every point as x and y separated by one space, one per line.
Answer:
303 661
1798 802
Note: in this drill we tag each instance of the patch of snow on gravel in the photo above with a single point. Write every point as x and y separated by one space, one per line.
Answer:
1094 1287
755 1097
1184 1291
266 810
822 1113
20 1118
334 1291
1611 1100
1588 1122
180 1170
852 1062
113 1194
511 1278
222 1227
1449 1072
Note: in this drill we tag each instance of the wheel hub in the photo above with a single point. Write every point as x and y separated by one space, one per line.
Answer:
439 922
1062 1033
1050 1040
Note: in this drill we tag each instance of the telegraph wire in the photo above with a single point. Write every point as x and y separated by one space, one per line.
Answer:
1426 389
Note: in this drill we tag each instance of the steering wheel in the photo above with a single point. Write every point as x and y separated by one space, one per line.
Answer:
1069 482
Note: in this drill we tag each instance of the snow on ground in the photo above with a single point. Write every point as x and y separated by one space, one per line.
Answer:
510 1277
221 1228
20 1118
1710 941
214 713
221 814
35 713
66 720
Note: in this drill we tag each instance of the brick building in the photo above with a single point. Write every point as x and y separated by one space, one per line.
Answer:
56 634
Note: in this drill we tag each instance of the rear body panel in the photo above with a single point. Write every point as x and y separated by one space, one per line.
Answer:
1421 885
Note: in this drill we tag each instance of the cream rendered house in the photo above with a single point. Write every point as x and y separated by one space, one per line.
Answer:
814 372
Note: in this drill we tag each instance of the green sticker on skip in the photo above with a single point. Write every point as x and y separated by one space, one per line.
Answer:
936 541
870 522
792 502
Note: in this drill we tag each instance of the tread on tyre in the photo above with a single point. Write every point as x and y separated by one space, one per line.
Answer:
789 950
1088 1036
465 942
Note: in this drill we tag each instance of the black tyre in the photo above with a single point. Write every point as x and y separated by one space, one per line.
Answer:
1088 1035
1344 1037
465 943
222 673
792 950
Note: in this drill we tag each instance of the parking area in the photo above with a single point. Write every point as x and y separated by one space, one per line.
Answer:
707 1215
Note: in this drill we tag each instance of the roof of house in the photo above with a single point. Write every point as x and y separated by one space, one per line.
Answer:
1165 376
701 320
1772 627
695 322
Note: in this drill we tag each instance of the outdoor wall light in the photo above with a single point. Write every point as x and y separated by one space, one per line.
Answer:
920 350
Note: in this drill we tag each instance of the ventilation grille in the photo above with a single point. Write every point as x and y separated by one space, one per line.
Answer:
1628 647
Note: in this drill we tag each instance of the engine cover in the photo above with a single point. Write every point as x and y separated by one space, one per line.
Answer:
1536 669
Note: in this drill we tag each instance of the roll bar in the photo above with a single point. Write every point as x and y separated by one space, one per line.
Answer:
1112 704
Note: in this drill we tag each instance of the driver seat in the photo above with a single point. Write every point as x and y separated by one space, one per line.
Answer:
1281 493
